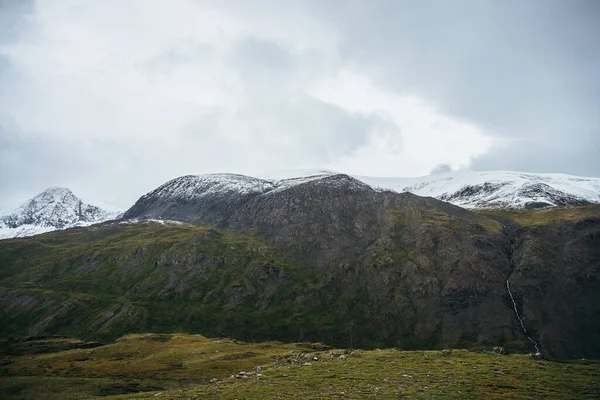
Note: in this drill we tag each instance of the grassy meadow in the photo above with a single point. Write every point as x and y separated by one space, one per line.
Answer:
177 366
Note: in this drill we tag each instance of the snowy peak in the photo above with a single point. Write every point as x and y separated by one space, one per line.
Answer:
198 186
502 189
212 198
54 208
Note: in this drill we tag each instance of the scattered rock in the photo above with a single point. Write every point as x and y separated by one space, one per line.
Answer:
306 364
319 346
536 356
342 357
499 350
213 380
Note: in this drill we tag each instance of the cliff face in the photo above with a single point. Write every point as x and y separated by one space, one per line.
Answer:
327 259
556 279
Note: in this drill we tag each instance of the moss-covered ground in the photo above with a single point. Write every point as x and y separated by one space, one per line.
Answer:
194 367
544 216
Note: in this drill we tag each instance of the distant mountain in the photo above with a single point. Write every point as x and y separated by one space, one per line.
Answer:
498 189
54 208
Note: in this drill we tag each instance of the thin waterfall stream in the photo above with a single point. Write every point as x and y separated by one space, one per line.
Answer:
537 349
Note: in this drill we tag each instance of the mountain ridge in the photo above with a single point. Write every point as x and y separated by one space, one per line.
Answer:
467 189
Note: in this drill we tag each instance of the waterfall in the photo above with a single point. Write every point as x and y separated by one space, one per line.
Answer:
520 319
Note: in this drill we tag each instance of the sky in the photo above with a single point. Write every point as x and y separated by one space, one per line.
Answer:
113 98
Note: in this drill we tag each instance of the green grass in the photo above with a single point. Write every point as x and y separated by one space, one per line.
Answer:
182 366
435 216
544 216
105 281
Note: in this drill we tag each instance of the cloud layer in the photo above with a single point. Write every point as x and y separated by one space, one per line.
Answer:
113 98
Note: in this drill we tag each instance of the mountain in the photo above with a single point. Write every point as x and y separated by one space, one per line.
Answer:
481 189
324 257
198 198
214 197
498 189
54 208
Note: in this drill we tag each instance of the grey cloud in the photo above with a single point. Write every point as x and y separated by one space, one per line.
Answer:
13 18
440 169
310 132
259 53
536 156
176 54
520 69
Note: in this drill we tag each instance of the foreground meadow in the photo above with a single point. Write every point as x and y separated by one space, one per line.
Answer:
194 367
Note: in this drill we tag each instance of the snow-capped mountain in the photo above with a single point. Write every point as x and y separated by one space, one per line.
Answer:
498 189
207 198
201 198
54 208
477 189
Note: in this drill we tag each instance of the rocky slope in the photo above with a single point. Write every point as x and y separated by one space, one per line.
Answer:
326 258
52 209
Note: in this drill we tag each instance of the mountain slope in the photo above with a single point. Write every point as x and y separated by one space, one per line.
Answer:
325 258
107 279
54 208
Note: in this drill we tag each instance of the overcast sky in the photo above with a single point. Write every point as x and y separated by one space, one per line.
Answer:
113 98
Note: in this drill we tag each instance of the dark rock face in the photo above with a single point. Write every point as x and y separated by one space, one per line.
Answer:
556 281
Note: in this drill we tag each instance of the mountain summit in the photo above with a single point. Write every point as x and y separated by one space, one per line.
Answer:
54 208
